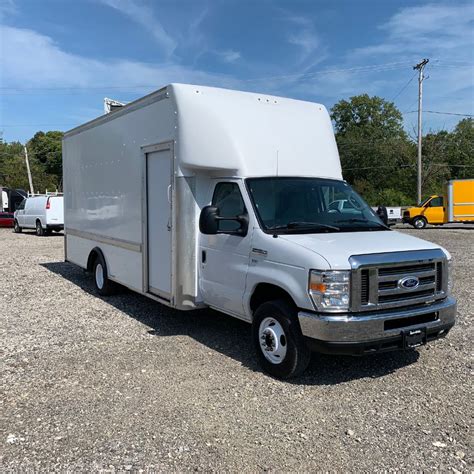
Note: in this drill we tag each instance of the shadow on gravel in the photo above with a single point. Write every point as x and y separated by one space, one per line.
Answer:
232 337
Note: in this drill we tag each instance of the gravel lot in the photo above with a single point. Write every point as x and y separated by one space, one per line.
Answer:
125 383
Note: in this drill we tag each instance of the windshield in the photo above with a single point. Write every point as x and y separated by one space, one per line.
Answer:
423 203
307 205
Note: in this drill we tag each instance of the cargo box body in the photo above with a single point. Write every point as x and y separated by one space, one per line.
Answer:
460 197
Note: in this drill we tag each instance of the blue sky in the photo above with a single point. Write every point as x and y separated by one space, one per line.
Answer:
60 58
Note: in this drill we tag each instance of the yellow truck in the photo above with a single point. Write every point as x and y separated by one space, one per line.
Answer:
456 205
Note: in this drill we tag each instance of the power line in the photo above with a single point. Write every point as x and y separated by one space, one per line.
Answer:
355 70
440 113
404 87
413 165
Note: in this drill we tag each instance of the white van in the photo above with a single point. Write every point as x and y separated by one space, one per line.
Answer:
203 197
44 213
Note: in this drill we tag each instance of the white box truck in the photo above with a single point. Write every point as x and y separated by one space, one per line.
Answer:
204 197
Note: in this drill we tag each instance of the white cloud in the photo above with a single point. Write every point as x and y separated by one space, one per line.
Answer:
306 40
30 59
303 36
229 55
442 32
437 29
144 16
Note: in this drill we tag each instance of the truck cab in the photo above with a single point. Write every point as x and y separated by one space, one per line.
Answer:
430 211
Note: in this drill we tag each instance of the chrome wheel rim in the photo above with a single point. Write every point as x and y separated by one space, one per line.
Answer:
99 276
272 340
419 224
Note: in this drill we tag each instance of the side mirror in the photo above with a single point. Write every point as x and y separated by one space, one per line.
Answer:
209 222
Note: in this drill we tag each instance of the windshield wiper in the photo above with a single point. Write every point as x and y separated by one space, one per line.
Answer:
302 225
371 223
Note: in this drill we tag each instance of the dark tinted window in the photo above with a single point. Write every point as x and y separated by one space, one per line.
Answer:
436 202
283 201
21 205
228 199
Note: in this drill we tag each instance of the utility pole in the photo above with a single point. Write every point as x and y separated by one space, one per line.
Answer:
30 180
420 67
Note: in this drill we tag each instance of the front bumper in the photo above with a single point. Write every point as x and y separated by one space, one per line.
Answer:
378 331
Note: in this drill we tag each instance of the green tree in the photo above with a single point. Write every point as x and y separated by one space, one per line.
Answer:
376 154
461 154
46 148
13 173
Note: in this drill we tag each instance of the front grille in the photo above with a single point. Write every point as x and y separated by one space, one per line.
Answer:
406 269
439 276
364 286
406 296
381 285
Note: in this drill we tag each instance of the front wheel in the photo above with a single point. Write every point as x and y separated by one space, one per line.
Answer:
16 227
419 222
278 340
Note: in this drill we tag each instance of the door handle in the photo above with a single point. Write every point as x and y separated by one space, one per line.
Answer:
168 225
203 256
169 193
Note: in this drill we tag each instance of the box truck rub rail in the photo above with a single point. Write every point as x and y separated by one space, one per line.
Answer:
203 197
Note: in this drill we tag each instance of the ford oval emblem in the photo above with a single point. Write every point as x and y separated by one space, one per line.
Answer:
409 282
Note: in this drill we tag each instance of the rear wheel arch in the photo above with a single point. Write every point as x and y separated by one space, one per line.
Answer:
100 272
94 253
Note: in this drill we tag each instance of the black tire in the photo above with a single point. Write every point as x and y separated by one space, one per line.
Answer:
419 222
39 229
297 355
104 286
16 227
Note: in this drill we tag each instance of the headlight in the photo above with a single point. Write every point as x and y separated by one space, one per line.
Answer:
330 289
450 276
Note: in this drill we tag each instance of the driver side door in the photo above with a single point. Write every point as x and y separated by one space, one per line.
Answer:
434 212
224 258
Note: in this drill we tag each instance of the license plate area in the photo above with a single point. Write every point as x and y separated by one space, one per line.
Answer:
414 338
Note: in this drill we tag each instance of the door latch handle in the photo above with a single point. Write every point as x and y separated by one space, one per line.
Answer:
203 256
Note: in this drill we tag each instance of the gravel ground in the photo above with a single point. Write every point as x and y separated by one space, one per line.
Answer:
123 383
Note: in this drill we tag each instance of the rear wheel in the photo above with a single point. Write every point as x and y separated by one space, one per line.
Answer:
104 286
39 229
278 340
16 227
419 222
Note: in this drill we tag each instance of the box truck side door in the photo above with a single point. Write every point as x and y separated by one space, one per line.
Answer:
224 257
159 168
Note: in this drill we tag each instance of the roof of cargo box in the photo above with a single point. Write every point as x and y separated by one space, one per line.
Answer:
250 134
227 132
